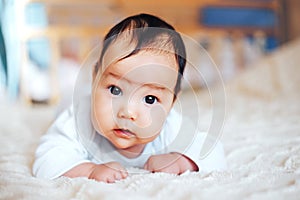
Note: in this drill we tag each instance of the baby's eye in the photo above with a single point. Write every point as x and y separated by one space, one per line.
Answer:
115 90
150 99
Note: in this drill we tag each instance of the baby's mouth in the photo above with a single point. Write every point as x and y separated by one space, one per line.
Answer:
124 133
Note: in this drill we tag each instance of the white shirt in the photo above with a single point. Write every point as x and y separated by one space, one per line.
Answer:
71 140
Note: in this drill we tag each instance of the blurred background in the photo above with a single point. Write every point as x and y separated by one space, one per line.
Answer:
44 42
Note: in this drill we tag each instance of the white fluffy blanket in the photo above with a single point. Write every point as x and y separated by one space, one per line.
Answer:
261 138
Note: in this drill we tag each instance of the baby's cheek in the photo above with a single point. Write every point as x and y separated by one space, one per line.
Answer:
96 122
153 121
101 118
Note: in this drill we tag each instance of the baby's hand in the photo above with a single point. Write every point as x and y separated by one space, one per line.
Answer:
108 172
173 163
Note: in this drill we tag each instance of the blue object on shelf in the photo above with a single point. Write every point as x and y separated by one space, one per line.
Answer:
36 15
271 43
38 48
217 16
39 52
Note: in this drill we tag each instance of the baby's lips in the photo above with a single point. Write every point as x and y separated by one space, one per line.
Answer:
124 133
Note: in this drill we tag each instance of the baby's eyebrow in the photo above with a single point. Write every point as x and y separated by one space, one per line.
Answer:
155 86
116 76
150 85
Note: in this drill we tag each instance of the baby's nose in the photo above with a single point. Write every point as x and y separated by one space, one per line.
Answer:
128 111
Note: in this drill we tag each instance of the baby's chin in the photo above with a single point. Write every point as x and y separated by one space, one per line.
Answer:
129 151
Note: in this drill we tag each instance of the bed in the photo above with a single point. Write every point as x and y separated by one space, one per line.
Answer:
261 138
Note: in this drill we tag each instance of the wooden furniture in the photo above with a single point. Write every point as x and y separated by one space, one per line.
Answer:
85 20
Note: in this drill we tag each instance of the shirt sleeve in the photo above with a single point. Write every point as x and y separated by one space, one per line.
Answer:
59 150
185 138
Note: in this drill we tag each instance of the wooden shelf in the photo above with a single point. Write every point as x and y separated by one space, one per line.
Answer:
184 15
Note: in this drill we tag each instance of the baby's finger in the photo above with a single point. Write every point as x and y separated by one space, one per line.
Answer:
124 173
118 176
149 167
110 179
146 166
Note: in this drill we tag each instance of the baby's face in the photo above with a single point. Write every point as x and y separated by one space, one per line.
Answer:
132 98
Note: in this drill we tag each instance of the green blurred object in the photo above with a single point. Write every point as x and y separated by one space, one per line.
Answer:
3 53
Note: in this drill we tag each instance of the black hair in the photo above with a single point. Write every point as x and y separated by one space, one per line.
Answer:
148 30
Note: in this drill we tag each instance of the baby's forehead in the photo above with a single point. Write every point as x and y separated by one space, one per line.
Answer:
145 68
168 55
147 56
128 43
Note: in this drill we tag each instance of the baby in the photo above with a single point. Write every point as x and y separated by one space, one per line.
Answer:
130 111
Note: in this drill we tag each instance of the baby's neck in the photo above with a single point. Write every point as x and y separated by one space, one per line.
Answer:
132 152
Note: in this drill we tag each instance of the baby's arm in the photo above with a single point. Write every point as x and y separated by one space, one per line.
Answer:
188 148
61 154
108 172
174 163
